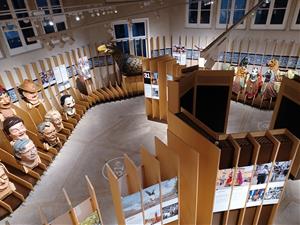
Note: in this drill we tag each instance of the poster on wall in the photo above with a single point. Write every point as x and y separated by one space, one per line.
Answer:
169 195
151 201
12 94
242 182
179 53
84 67
279 174
132 208
61 76
48 78
147 84
258 184
223 190
154 85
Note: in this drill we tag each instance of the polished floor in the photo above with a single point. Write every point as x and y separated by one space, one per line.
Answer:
108 131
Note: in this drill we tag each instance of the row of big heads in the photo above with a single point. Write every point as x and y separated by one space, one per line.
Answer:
24 149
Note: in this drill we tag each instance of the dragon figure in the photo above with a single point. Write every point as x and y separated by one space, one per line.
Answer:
129 65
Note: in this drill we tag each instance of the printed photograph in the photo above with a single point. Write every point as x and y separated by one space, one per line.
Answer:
155 91
170 213
261 173
154 78
243 176
153 215
151 196
256 195
132 205
84 67
224 178
92 219
280 171
70 71
273 193
169 189
135 219
13 96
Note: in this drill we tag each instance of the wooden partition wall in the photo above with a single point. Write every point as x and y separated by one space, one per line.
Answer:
286 114
152 172
203 153
66 64
88 210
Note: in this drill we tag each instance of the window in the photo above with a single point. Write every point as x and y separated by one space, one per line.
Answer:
198 13
52 7
271 15
230 12
132 38
17 33
296 19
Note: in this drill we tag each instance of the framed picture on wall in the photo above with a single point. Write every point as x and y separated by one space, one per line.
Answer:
12 94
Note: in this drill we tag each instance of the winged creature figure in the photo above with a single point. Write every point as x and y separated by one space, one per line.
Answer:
129 65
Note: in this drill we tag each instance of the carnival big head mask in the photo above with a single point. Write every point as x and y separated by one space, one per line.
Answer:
68 103
26 152
14 127
273 64
5 102
254 74
6 187
54 117
29 91
48 133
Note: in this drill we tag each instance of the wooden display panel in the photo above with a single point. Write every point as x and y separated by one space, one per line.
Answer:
286 112
207 168
133 177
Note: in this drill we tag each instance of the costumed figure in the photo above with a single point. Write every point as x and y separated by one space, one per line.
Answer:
5 105
49 136
254 83
15 129
29 92
26 153
6 187
54 117
270 79
68 104
239 79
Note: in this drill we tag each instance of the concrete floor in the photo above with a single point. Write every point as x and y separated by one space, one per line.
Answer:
107 131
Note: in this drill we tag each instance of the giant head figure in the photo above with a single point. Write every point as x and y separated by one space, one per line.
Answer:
6 187
14 128
54 117
26 152
29 92
5 105
68 104
48 134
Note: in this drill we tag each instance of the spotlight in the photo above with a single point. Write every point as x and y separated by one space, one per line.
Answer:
82 16
77 18
98 14
267 1
103 13
92 15
50 23
116 11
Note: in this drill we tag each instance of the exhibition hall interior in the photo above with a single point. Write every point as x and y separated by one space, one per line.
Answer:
149 112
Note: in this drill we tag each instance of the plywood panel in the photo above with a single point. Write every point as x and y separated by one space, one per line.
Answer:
168 159
133 177
151 168
188 178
